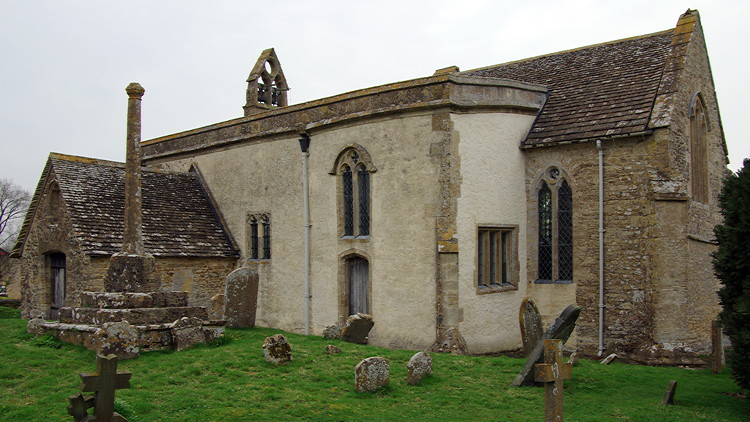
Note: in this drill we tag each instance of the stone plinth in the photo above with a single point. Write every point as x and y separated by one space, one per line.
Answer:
134 300
130 273
138 316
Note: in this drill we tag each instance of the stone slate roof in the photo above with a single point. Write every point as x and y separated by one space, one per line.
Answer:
178 217
598 91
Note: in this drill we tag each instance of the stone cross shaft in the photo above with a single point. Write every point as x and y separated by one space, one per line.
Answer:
104 382
132 241
552 373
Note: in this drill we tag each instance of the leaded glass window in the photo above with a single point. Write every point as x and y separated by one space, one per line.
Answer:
363 179
545 233
565 232
555 225
348 202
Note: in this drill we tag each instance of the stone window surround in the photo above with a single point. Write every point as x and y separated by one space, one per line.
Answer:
698 128
257 248
554 184
355 157
513 263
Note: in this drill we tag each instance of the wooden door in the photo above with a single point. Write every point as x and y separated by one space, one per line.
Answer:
57 264
359 270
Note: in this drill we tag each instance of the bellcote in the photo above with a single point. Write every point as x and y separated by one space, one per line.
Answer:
266 85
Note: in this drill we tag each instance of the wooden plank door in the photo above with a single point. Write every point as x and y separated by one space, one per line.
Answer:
359 270
57 264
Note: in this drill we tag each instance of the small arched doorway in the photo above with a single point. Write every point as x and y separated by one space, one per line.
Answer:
57 272
358 274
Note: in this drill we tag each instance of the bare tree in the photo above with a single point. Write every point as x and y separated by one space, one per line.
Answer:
14 201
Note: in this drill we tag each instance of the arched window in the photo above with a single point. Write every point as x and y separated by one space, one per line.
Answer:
698 150
352 168
555 229
259 236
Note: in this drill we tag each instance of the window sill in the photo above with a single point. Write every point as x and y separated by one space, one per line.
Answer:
360 238
553 282
258 261
495 288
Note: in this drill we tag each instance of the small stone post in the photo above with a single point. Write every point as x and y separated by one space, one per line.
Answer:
552 373
717 360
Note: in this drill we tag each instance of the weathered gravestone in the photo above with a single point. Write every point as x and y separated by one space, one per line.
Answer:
371 374
419 366
117 338
357 328
669 393
103 383
241 298
552 373
532 328
276 349
561 329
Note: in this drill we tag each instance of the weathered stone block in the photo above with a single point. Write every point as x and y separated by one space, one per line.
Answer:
419 366
332 350
371 373
276 349
118 338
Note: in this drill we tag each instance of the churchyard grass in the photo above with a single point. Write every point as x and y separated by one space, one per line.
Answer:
231 381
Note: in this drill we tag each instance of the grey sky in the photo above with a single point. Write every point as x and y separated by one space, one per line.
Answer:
65 64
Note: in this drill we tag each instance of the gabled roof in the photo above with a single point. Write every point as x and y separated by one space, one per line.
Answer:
178 216
602 90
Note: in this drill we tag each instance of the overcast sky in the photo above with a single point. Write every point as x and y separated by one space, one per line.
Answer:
64 65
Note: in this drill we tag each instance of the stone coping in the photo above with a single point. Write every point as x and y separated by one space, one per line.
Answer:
453 91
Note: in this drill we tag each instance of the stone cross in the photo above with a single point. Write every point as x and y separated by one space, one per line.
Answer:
552 373
103 383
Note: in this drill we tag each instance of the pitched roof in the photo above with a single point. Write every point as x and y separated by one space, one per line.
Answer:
597 91
178 216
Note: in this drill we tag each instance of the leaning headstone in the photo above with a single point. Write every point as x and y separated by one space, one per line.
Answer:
669 393
357 328
552 373
609 359
276 349
103 383
332 350
371 374
561 329
532 328
240 298
419 366
117 338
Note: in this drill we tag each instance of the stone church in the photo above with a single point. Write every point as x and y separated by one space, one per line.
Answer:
436 205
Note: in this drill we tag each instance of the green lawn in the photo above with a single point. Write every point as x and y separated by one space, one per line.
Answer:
232 382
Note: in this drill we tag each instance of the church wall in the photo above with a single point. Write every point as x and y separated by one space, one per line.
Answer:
686 287
265 176
50 232
492 195
629 220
